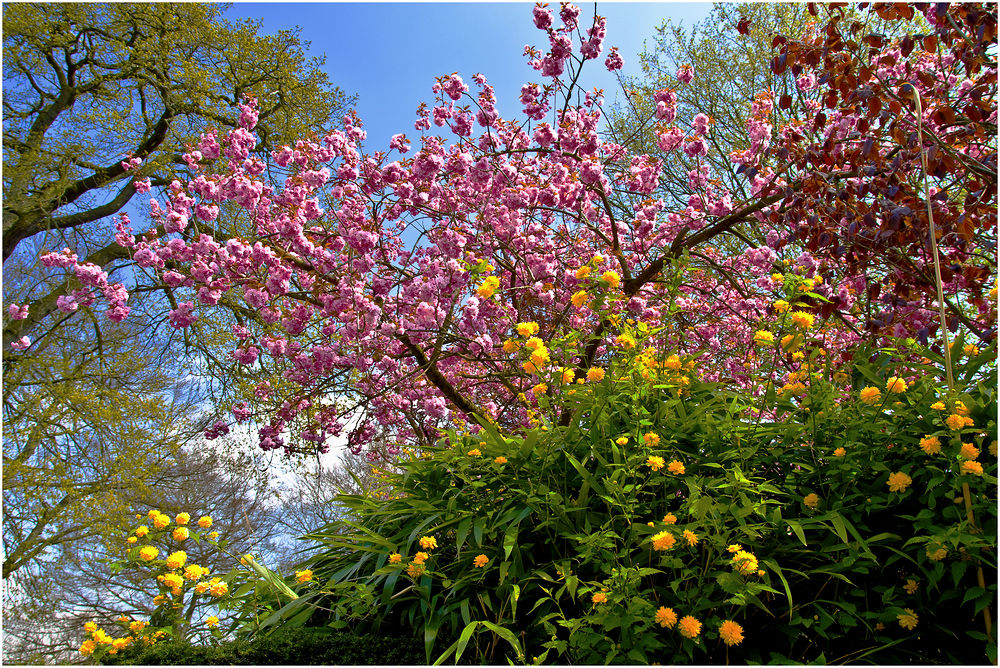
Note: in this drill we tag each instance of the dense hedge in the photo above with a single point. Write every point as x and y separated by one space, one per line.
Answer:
290 647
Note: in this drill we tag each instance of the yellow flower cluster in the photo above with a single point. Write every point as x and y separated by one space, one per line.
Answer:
898 482
745 562
489 287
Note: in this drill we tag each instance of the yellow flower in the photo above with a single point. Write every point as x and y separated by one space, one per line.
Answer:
152 514
579 298
689 627
480 561
600 597
666 617
908 619
212 621
303 576
101 637
205 521
529 367
420 557
199 588
583 272
510 346
87 647
597 259
937 553
663 541
181 534
930 444
691 537
539 389
395 558
161 521
142 531
895 385
90 627
676 467
961 408
626 341
148 553
172 581
177 559
611 279
871 395
218 588
595 374
970 349
955 421
568 375
428 542
969 451
670 518
938 406
500 460
655 463
972 468
734 548
527 328
488 287
672 363
839 452
137 626
534 343
731 633
182 518
416 569
193 572
898 482
213 536
911 586
781 306
540 356
803 320
763 337
778 278
745 562
131 539
622 441
811 500
474 452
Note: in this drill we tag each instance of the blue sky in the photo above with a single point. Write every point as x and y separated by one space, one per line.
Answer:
390 53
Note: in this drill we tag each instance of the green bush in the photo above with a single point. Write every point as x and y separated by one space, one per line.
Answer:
821 531
287 647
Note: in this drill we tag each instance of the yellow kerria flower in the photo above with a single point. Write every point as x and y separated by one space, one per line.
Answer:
595 374
480 561
731 632
173 581
181 534
622 441
182 518
936 552
90 627
652 439
579 298
420 557
213 536
148 553
428 542
488 287
527 328
778 278
689 627
205 522
199 588
626 341
395 558
474 452
655 463
839 452
131 539
212 621
955 421
416 569
218 589
970 349
137 626
676 467
781 306
898 482
152 514
540 356
611 279
529 367
871 395
193 572
177 559
745 562
938 406
597 259
691 537
930 444
600 597
969 451
895 385
663 541
500 460
908 619
961 408
763 337
142 531
972 468
666 617
811 500
568 375
583 272
161 521
911 586
672 363
303 576
734 548
534 343
802 320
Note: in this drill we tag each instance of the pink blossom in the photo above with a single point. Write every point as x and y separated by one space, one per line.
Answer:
182 316
21 344
66 303
685 74
17 312
614 60
542 17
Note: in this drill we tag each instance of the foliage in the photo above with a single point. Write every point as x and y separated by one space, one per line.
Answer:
802 482
295 647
